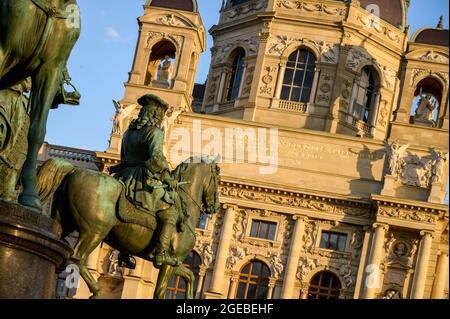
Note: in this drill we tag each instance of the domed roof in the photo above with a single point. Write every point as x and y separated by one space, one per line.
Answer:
186 5
391 11
433 36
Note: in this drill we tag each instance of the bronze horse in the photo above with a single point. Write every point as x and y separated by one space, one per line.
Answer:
36 39
88 202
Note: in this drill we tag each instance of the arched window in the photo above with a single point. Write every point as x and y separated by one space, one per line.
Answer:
253 281
426 105
299 76
176 288
366 93
324 285
161 63
235 76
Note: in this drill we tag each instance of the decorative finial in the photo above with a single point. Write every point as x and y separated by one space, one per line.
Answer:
441 23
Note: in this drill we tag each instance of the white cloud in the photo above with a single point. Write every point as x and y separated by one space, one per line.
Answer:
113 33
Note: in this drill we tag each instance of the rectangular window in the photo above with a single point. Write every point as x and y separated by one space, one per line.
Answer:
263 230
333 241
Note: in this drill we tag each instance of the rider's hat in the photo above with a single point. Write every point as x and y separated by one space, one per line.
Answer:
149 99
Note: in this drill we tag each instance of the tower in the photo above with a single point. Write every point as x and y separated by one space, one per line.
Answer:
171 39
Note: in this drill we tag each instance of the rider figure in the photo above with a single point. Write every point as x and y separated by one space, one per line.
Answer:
145 172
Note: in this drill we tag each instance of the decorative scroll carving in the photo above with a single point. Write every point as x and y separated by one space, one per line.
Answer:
434 57
310 236
407 215
295 202
171 20
267 80
374 24
244 10
312 7
355 58
250 43
178 39
418 73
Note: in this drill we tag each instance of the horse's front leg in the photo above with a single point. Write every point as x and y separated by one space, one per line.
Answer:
188 275
45 86
164 275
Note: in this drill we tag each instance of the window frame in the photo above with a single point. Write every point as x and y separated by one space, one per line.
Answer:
249 276
260 223
319 289
297 69
235 78
343 229
339 235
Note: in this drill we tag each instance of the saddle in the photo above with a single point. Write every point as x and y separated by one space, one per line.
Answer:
130 214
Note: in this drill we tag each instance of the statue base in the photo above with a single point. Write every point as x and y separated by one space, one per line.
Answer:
435 193
30 253
389 186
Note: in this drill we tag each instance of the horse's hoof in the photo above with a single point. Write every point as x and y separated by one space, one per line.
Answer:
30 201
93 297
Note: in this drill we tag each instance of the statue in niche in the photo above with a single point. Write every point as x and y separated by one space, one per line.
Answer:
400 249
114 269
425 110
165 71
392 294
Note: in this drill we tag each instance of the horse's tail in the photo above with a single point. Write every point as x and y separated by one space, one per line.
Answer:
50 177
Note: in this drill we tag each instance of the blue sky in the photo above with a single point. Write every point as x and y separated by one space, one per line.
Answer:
103 56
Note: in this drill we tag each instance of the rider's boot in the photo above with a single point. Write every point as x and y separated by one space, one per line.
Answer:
162 251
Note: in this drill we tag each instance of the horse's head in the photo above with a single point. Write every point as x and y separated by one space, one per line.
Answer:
211 188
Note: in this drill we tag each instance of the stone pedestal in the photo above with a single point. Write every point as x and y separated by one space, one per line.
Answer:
30 253
389 185
111 286
435 193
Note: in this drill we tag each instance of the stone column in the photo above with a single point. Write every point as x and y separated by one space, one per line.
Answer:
352 99
201 279
280 79
233 285
294 255
362 263
215 289
272 282
420 272
241 86
441 276
312 98
376 255
219 96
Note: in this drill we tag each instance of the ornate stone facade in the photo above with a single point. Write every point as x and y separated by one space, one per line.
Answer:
358 198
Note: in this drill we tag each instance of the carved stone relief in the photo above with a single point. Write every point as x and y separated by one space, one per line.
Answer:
325 89
251 44
237 12
407 215
267 81
434 57
311 7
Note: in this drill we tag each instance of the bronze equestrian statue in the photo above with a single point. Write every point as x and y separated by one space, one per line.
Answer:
36 39
131 212
145 172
